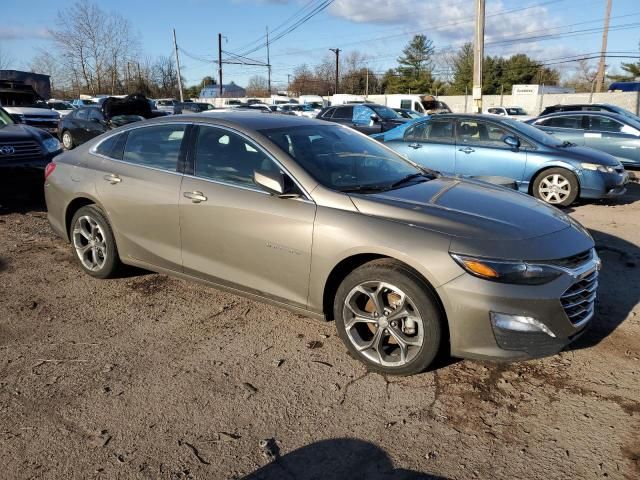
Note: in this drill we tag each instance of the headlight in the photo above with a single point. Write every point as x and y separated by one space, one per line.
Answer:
51 144
507 272
599 168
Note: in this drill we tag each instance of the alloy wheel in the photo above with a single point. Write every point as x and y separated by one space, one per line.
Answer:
554 188
89 242
67 140
383 323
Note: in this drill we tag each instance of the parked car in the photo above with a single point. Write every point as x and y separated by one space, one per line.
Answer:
85 123
408 113
590 107
624 87
517 113
192 107
614 134
24 153
82 102
24 105
301 110
325 221
166 104
61 107
367 118
554 171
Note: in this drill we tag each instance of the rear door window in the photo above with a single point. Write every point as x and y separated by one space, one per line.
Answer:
482 134
112 147
604 124
157 146
343 113
568 121
82 114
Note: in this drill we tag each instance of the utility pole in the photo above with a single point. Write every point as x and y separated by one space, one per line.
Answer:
220 65
175 45
478 57
268 63
366 88
603 51
337 52
288 83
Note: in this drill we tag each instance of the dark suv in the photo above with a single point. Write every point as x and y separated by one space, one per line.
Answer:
367 118
24 153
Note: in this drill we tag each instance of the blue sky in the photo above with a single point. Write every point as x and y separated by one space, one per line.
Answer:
377 28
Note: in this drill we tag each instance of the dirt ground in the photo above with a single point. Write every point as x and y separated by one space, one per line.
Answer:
151 377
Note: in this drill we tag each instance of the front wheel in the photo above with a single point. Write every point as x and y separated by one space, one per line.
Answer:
556 186
388 318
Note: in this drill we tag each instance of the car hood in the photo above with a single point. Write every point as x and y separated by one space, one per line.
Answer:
20 132
590 155
41 112
465 209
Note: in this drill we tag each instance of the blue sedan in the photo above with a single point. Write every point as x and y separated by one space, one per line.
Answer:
554 171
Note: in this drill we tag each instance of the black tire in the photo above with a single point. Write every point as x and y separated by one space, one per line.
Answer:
423 302
70 144
110 260
561 199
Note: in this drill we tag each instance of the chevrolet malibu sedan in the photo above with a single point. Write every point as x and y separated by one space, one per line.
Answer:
320 219
555 171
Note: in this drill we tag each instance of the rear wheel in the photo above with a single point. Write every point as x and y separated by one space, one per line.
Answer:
556 186
388 318
67 140
94 242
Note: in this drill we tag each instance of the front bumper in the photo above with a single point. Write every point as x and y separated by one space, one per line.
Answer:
594 184
18 175
469 302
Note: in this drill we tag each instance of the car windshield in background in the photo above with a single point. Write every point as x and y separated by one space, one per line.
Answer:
385 112
60 106
516 111
5 119
342 159
533 133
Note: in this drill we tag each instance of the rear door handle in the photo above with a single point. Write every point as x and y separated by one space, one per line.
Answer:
415 145
466 150
195 197
112 178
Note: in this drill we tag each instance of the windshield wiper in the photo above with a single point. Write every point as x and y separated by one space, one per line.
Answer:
410 177
365 189
567 143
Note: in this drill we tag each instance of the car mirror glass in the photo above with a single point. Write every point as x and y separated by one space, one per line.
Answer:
271 182
512 141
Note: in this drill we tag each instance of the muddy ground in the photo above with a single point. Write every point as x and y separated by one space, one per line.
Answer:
151 377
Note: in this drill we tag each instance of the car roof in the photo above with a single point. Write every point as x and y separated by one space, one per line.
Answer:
572 113
248 119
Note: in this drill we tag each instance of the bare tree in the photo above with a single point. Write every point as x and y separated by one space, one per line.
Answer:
5 59
95 46
258 86
584 77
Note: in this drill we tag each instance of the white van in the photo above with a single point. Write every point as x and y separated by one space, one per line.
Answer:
316 101
426 104
344 98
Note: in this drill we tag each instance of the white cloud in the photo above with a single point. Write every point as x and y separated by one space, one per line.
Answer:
20 32
450 22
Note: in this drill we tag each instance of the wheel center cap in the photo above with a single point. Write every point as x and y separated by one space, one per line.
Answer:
383 322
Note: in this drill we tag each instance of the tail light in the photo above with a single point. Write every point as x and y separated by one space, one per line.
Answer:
48 169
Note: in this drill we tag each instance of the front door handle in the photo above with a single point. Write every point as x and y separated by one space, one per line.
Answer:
112 178
195 197
415 145
466 150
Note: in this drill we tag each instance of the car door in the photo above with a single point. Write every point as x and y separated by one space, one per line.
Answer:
569 128
343 115
614 137
96 124
363 122
481 150
139 186
429 143
236 234
78 125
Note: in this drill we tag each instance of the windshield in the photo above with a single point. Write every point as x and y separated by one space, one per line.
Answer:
5 119
342 159
384 112
625 113
516 111
60 106
532 132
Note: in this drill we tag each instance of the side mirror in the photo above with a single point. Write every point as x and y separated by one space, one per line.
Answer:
512 141
272 182
374 117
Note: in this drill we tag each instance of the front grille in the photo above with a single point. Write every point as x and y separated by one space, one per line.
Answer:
21 149
574 261
41 122
578 301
